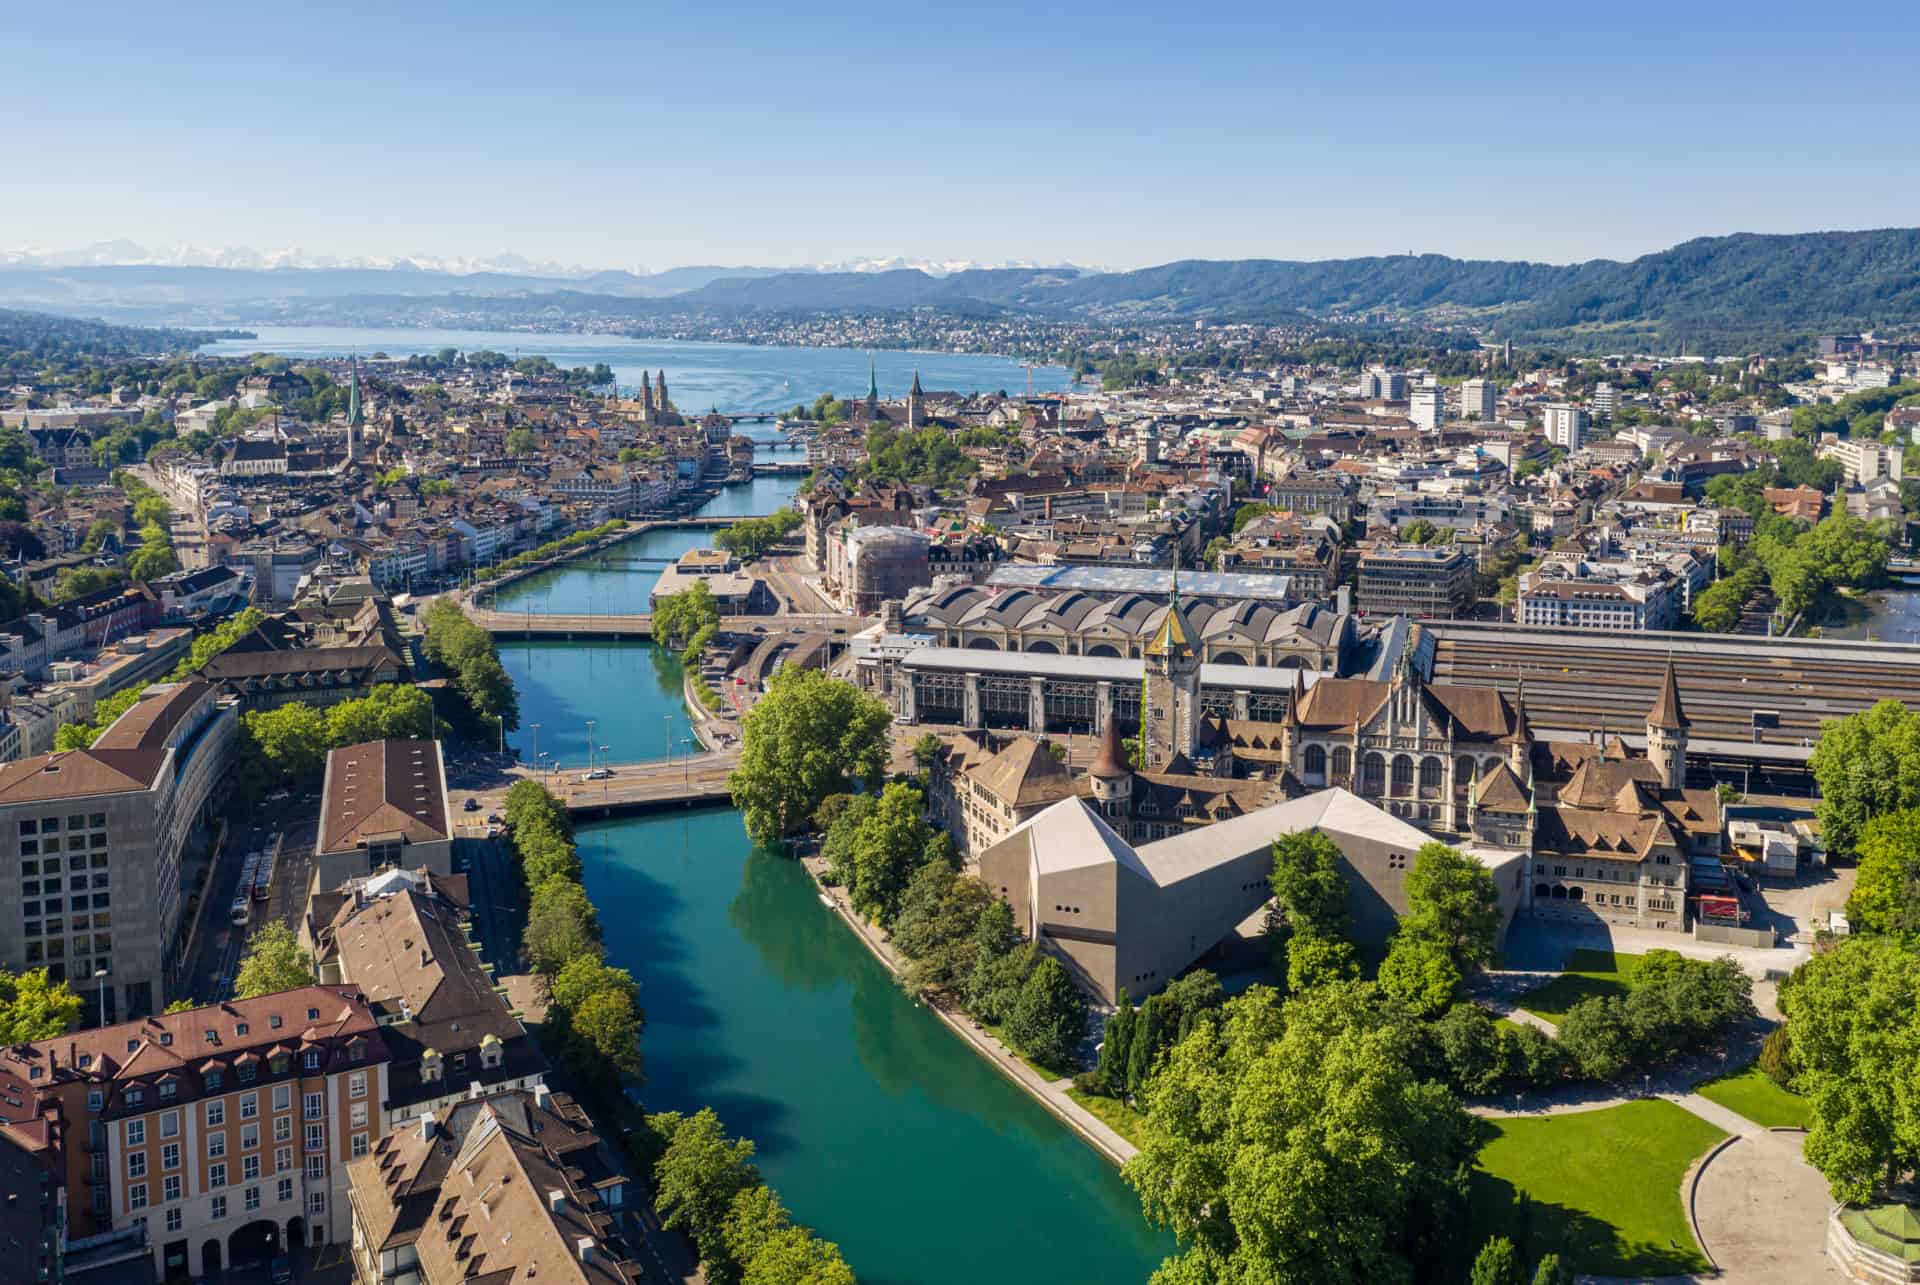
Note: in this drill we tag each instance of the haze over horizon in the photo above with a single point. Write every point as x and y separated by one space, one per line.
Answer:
616 137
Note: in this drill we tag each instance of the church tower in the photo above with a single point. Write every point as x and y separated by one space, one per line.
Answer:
916 413
660 393
873 392
1667 733
356 418
1520 752
1170 713
646 399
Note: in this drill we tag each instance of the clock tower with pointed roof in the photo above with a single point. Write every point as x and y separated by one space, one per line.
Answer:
1170 695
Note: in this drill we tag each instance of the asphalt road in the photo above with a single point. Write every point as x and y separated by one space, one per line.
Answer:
293 825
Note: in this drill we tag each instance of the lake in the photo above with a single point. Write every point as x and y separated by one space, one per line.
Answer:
736 378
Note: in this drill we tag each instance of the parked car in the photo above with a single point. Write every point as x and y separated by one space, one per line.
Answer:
472 804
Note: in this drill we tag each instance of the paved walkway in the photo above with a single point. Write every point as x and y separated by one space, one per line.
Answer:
1051 1094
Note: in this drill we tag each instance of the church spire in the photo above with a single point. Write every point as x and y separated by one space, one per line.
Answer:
1666 712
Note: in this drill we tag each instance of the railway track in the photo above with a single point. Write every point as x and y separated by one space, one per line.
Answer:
1580 684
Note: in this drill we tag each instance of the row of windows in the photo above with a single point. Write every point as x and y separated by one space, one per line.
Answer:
51 866
217 1206
51 825
95 842
57 905
33 887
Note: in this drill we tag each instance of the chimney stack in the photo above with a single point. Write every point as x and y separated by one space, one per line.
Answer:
585 1245
556 1200
426 1127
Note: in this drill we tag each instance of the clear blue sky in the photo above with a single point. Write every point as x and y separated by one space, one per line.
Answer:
729 132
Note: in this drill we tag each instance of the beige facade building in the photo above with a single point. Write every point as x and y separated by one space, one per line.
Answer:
513 1187
1133 918
226 1130
91 845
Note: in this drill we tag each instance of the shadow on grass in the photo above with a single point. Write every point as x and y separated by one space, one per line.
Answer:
1586 1244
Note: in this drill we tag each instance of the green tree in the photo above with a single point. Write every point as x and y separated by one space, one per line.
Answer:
1598 1036
1471 1048
808 737
600 1007
927 751
522 441
935 928
288 742
389 711
1865 764
1854 1016
1301 1144
151 561
888 847
1420 973
697 1179
34 1008
561 926
274 962
677 617
1309 891
1498 1263
796 1256
995 986
1549 1272
1049 1019
180 1006
1314 961
1453 898
1886 892
1117 1045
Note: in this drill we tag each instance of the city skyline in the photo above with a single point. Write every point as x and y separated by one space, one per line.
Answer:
667 137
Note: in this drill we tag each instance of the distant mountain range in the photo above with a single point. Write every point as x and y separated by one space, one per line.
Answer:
1722 292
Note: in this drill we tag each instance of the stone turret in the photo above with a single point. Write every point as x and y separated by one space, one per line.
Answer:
1520 752
1667 733
1111 774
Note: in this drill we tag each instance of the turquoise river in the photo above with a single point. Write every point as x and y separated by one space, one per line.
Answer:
876 1123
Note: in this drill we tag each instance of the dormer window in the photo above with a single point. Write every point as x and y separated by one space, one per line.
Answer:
278 1063
166 1037
273 1020
168 1088
313 1059
135 1096
241 1029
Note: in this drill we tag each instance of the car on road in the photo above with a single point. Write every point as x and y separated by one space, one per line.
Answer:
598 774
472 804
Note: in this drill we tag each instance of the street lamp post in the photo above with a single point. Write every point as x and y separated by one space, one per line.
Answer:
100 979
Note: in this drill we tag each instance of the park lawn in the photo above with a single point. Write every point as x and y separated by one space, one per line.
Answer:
1588 973
1603 1188
1753 1094
1115 1114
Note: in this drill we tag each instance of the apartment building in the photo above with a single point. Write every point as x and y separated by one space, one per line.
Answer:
1565 425
223 1131
399 939
1429 408
91 843
1410 580
512 1187
1479 400
1603 598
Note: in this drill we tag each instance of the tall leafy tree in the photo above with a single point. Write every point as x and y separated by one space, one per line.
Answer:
274 962
1886 891
1301 1145
808 737
935 928
1049 1018
35 1008
890 844
697 1178
1866 764
1498 1263
1309 890
1453 899
1419 972
1854 1016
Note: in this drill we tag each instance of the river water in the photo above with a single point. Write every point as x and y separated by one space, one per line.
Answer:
878 1125
736 378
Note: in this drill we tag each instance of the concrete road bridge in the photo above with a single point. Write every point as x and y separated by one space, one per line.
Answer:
533 624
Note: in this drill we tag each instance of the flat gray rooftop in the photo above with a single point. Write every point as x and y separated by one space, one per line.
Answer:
969 660
1144 580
